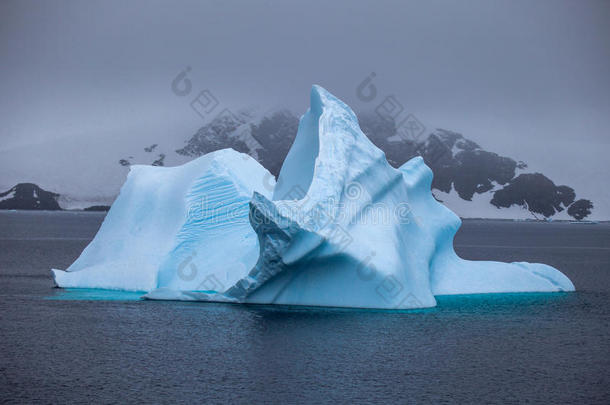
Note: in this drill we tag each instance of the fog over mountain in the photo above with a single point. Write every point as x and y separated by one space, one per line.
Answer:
86 84
470 180
462 169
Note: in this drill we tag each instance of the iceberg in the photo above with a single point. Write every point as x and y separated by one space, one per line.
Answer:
341 228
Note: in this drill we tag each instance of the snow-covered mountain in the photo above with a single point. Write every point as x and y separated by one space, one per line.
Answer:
28 196
470 180
473 182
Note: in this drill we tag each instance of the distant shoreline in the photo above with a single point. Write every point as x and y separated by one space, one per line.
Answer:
563 221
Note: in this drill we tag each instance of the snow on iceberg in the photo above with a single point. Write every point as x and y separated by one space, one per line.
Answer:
181 228
341 228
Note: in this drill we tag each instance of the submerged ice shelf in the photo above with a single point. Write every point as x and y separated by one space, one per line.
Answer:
341 228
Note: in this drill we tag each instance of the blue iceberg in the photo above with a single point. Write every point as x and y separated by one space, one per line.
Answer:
341 228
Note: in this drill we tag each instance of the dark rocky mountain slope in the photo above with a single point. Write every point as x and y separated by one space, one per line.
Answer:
28 196
459 164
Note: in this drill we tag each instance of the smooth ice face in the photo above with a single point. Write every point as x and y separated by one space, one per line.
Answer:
176 228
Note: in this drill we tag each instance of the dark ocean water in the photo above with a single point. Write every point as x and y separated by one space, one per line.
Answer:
95 347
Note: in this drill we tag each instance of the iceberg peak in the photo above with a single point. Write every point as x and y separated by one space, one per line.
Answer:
321 99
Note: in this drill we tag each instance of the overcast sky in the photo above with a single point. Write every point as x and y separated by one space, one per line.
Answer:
528 79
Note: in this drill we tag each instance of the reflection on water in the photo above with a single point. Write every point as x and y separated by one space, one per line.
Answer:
103 346
445 303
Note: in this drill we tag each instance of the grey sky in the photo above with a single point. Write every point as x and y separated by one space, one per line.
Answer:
529 79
